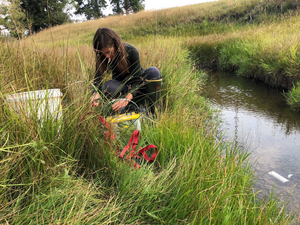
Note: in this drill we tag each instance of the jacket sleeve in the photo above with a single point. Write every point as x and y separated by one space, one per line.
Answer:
135 70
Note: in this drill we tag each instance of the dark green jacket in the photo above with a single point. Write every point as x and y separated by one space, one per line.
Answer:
131 79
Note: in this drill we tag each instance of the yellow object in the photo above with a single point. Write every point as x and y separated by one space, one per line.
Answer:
122 117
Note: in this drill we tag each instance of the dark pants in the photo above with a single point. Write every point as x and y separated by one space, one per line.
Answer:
115 89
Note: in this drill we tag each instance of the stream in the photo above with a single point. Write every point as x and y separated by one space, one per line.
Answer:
256 117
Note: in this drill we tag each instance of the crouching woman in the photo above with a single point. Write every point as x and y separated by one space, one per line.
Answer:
129 80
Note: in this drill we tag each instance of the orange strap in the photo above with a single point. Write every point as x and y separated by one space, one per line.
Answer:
133 142
131 146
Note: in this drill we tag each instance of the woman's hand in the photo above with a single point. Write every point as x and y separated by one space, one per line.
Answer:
95 99
122 103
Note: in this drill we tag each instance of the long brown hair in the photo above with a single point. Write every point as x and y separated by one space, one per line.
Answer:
107 38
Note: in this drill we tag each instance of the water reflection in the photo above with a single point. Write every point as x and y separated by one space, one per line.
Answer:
258 114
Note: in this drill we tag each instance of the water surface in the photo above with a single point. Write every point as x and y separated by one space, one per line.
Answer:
256 116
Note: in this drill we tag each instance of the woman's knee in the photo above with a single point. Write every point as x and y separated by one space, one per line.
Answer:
113 88
152 73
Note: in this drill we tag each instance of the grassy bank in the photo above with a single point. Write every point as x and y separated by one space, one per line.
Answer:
265 48
71 176
266 52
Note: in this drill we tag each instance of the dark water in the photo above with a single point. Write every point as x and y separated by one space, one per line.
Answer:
257 117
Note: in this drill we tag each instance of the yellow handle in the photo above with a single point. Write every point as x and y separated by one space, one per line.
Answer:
122 117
